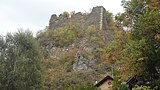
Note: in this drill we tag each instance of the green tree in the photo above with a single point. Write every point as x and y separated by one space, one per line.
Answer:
82 86
65 14
20 62
142 47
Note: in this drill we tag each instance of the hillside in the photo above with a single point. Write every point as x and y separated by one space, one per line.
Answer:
72 44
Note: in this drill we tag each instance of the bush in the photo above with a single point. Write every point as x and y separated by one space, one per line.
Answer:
82 86
144 88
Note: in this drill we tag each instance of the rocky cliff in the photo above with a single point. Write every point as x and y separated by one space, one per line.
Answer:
96 18
73 44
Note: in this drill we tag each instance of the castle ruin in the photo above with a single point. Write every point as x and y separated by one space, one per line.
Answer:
97 17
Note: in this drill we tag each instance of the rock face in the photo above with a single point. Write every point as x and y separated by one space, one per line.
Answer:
98 18
81 63
56 22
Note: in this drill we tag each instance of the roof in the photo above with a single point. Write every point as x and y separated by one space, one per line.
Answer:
103 80
131 79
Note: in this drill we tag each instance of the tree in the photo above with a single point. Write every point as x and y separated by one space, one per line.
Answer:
142 47
20 62
82 86
65 14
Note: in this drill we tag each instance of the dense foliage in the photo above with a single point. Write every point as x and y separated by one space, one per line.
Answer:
136 50
20 62
82 86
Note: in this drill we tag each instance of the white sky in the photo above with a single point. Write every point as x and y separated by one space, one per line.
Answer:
35 14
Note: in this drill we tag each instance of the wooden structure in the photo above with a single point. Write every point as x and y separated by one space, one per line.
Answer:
131 82
105 83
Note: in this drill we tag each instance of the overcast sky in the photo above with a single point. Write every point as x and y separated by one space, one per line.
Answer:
35 14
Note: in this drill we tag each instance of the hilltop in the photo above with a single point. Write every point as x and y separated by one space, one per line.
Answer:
72 45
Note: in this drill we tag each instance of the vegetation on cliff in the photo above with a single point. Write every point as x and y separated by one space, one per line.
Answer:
72 54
